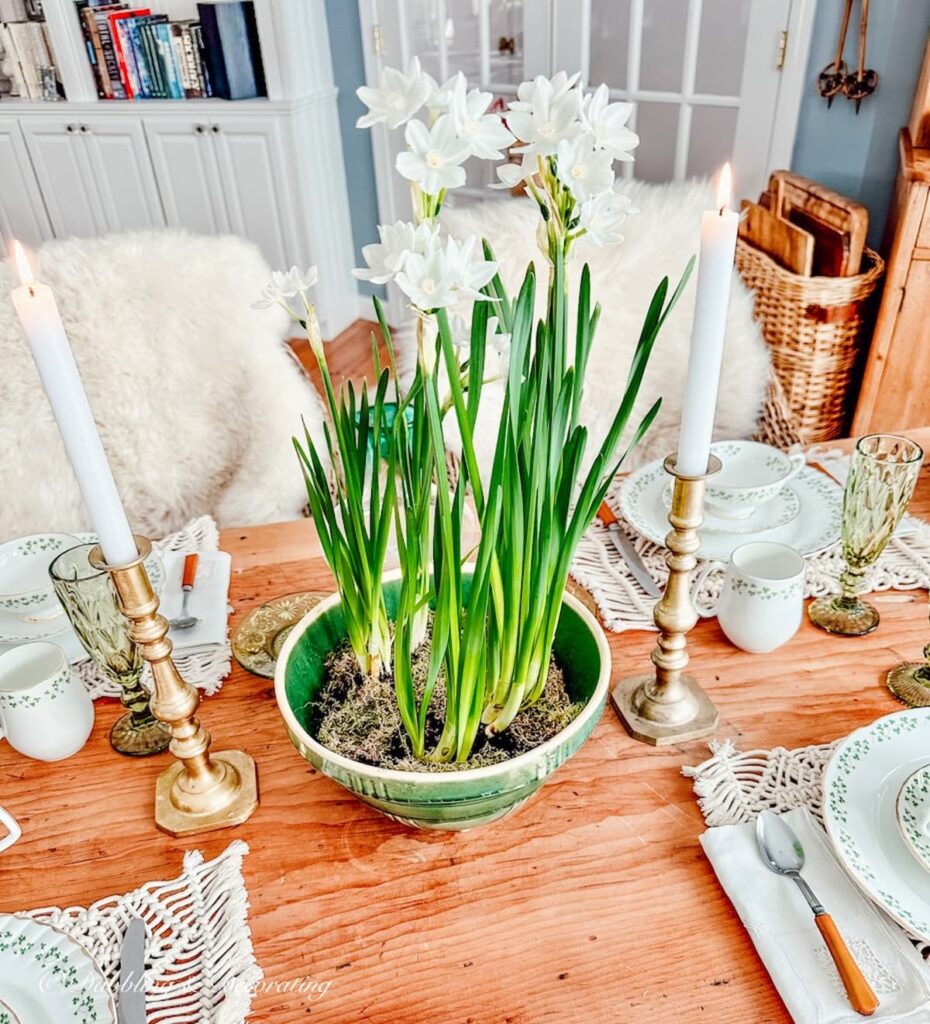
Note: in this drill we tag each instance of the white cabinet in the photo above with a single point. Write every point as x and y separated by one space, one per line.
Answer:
22 211
184 160
227 174
95 173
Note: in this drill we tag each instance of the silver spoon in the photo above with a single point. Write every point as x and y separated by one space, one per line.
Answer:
185 620
782 852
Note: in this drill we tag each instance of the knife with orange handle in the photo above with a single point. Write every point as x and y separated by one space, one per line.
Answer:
628 553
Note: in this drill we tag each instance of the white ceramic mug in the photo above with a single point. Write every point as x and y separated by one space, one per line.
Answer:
761 604
13 831
45 711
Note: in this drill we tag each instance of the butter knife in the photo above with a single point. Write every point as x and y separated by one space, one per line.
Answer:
132 975
628 553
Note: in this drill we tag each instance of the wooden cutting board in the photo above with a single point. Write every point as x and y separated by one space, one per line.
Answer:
799 199
789 245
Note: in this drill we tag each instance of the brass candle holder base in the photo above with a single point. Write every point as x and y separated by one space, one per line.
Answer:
668 706
199 793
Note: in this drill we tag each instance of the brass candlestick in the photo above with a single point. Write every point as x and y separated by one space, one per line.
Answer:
668 706
199 793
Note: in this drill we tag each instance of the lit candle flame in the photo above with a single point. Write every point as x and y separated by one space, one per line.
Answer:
26 275
724 188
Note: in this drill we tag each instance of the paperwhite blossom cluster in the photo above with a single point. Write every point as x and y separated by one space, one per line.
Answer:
460 125
567 141
433 272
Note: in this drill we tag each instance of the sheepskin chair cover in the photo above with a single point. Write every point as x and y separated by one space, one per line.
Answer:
658 242
193 391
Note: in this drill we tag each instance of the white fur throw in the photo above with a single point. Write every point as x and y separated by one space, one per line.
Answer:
658 242
194 394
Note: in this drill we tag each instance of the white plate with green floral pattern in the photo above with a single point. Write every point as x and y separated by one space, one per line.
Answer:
48 978
815 528
913 812
860 791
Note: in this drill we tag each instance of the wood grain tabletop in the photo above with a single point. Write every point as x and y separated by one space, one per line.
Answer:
592 903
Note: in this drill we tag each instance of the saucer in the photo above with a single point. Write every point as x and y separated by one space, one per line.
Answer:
815 528
780 511
913 812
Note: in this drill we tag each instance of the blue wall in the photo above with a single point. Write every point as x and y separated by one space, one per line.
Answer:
858 154
345 40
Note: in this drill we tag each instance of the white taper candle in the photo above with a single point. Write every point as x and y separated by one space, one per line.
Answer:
38 313
715 272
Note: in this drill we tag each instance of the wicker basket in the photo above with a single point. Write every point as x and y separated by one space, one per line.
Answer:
814 328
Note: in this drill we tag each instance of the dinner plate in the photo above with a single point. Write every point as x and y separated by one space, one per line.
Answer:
48 978
814 529
860 790
780 511
913 812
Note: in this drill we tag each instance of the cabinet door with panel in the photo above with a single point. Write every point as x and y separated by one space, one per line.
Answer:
118 158
253 166
185 166
62 168
22 211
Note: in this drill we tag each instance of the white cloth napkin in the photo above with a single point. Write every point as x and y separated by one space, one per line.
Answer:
209 600
782 929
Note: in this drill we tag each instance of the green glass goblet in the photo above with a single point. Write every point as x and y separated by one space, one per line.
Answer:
89 599
879 486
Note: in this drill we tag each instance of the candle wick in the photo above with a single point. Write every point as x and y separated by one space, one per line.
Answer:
720 211
32 291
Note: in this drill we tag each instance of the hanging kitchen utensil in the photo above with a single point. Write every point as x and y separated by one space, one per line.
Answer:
832 79
865 81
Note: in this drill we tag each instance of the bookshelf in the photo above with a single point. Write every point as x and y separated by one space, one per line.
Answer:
269 169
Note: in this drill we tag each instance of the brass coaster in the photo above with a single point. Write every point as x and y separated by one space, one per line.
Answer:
907 686
260 636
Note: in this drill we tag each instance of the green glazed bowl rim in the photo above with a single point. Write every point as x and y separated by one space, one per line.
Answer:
530 757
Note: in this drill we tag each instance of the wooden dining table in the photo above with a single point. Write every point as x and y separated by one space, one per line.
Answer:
593 903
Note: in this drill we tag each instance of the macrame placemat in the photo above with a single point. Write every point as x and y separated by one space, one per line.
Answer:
199 965
622 603
732 787
206 669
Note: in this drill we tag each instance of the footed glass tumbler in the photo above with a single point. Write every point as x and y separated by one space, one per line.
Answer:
878 489
90 600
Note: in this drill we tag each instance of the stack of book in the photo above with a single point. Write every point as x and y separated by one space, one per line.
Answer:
24 49
136 54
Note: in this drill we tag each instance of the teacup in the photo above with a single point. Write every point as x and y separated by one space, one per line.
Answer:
45 711
751 475
25 587
761 604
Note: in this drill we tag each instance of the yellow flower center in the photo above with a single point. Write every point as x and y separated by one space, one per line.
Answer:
434 159
428 285
578 171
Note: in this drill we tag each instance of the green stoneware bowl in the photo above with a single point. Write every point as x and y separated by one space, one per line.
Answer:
442 800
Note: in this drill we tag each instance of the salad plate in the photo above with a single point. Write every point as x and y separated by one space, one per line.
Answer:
48 978
815 528
860 791
913 813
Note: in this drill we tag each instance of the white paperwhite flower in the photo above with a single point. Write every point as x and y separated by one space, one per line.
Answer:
500 342
486 134
386 258
512 174
435 156
286 284
558 85
547 113
444 274
582 169
604 215
397 98
442 96
607 123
